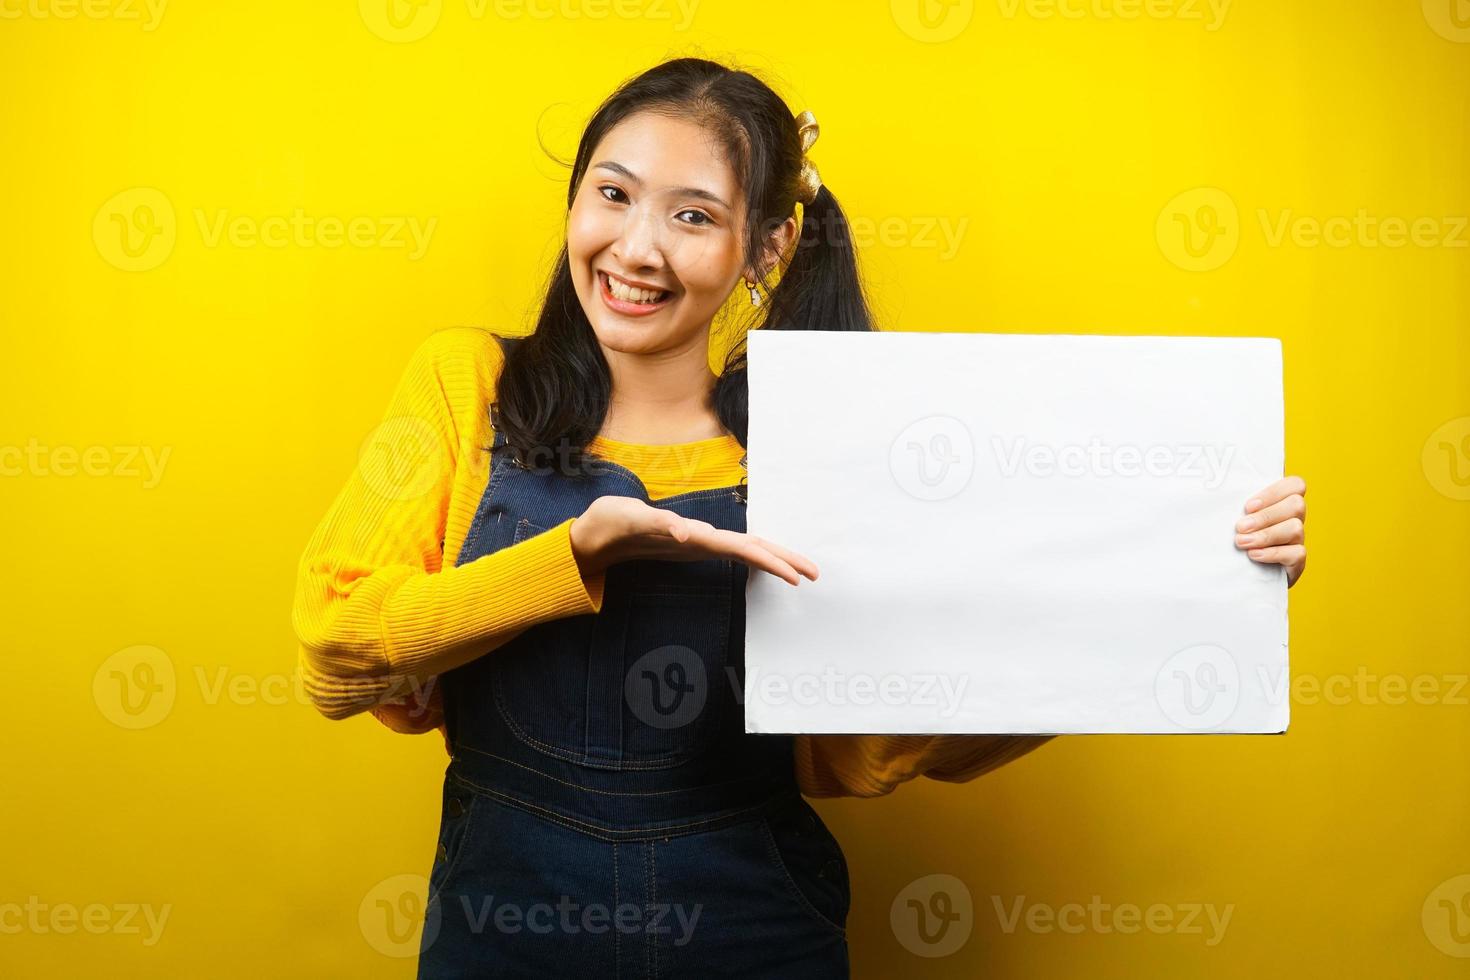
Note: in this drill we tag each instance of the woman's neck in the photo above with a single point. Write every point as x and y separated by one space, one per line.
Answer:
660 424
661 399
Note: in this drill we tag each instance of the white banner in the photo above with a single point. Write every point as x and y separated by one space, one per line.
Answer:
1015 534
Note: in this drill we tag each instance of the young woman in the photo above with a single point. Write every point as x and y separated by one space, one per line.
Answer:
555 578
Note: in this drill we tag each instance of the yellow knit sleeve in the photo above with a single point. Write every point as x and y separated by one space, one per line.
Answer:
875 765
375 614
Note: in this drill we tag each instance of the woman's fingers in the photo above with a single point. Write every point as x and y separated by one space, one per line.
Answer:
758 550
734 544
801 563
753 554
677 527
744 547
1273 530
1293 556
1289 531
1280 490
666 534
1293 505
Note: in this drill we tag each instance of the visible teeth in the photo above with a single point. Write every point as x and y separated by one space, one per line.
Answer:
629 294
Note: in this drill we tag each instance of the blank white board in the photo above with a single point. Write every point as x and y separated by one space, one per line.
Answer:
1019 534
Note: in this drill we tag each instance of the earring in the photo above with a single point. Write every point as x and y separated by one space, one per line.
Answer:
755 297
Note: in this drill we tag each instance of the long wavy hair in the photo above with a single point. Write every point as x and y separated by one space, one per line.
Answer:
555 385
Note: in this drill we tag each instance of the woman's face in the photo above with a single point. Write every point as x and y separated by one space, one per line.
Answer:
654 235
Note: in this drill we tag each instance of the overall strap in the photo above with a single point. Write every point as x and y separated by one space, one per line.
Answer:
499 436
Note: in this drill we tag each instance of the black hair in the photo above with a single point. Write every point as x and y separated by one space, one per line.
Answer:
554 385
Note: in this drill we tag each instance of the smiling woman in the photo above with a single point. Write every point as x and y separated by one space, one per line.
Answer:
559 583
557 580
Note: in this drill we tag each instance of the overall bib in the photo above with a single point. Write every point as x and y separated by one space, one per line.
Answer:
604 812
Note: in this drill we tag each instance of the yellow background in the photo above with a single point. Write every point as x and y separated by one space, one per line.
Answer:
1054 144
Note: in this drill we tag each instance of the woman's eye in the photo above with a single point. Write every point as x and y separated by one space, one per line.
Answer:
615 195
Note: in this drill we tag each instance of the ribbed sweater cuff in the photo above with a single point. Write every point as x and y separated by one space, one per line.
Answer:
532 581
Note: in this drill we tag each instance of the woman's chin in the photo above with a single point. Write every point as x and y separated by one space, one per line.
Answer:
634 336
628 336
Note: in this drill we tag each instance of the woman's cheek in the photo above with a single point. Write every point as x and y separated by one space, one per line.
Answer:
577 237
702 299
704 280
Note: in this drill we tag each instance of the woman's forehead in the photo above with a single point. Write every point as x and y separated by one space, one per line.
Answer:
663 152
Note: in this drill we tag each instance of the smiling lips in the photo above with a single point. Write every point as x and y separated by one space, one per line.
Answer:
623 297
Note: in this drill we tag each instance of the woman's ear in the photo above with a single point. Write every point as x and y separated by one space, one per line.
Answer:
778 249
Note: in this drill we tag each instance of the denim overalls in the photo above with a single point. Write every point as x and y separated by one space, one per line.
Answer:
604 812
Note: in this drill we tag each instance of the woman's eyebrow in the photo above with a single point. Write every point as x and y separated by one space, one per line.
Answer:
618 168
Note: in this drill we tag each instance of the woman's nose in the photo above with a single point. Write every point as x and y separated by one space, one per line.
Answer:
641 243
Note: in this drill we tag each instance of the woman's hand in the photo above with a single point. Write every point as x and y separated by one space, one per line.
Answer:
615 529
1274 528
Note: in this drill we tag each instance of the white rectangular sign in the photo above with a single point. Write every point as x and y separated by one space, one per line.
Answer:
1015 534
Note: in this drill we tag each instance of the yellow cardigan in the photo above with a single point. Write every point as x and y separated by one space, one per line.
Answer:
380 608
